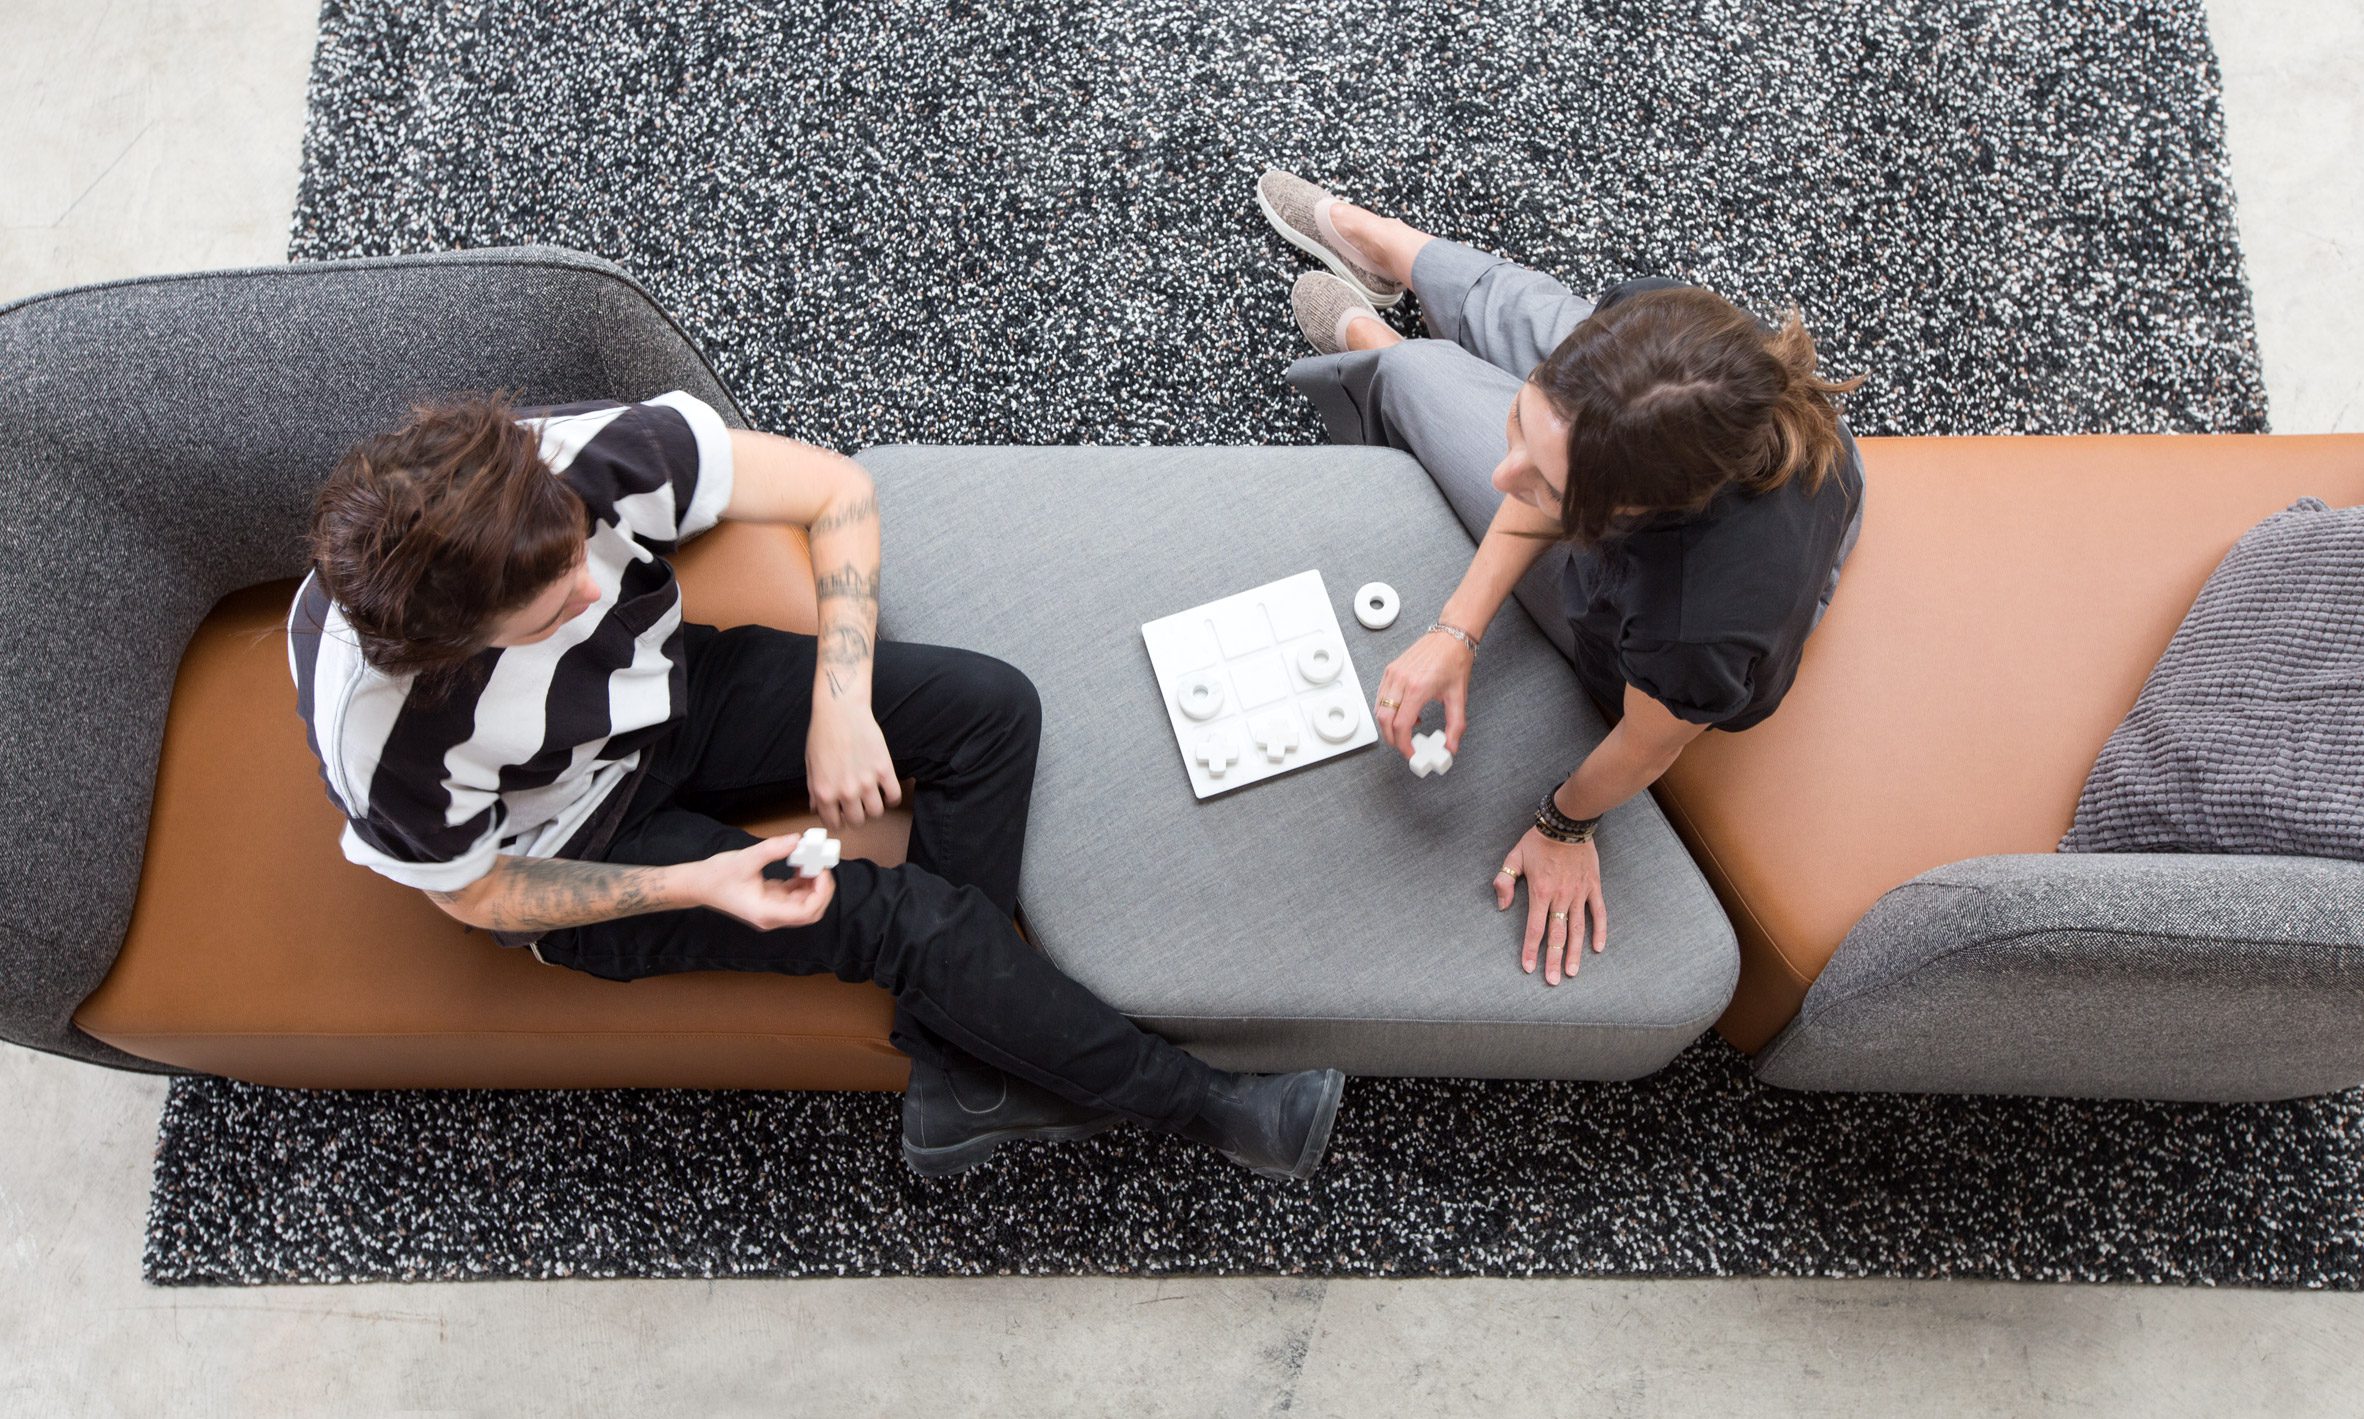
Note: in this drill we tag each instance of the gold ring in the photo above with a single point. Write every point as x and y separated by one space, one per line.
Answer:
1389 704
1506 872
1559 916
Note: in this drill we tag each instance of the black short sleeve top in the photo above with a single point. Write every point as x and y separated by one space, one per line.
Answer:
1708 613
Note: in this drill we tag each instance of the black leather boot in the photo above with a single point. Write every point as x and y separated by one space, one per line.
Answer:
1274 1125
954 1119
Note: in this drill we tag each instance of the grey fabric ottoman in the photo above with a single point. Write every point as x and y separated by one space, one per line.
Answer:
1339 915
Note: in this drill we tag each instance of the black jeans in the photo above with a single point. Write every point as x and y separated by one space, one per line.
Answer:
936 932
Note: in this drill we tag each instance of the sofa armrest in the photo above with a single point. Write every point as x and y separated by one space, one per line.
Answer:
2146 975
160 443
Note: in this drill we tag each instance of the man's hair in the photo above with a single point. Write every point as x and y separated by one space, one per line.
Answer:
427 535
1673 395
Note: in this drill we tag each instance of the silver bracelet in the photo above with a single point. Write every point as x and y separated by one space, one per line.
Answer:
1456 633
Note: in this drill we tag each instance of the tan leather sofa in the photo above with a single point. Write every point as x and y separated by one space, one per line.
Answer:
2000 614
263 955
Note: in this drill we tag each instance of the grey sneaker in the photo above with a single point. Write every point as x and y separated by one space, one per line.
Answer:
1294 207
1325 306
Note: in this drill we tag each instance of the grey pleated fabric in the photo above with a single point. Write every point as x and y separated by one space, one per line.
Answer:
160 441
2249 735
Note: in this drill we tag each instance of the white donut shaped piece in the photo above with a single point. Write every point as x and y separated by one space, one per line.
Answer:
1320 661
1336 719
1376 605
1200 695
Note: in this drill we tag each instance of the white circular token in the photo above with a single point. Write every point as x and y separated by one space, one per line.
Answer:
1336 721
1200 695
1319 662
1376 605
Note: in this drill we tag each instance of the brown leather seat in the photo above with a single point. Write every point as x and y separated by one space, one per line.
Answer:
2007 600
256 951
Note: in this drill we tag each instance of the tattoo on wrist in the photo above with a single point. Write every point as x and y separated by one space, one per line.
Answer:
861 509
845 651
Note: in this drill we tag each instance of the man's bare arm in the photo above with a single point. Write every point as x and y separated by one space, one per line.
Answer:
831 497
525 894
548 893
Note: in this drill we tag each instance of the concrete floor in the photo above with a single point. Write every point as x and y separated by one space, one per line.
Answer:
138 138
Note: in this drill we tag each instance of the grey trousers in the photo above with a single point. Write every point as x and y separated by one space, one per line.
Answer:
1447 401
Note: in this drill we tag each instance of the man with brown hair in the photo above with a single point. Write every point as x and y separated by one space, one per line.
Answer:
508 708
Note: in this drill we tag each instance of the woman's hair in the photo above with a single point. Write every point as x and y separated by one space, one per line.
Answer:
1673 395
427 535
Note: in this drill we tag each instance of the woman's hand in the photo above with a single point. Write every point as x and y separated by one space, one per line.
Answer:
1563 885
1435 667
733 882
848 771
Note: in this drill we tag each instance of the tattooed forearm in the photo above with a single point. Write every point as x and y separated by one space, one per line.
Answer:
848 583
545 894
845 541
861 509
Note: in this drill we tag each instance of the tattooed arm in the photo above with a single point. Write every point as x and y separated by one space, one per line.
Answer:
849 773
526 894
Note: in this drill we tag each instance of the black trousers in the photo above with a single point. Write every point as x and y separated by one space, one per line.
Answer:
936 932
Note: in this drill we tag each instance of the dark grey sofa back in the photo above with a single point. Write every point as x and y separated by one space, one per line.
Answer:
160 441
2202 976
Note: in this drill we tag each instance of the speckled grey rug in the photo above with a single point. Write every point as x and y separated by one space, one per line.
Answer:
1028 222
1697 1171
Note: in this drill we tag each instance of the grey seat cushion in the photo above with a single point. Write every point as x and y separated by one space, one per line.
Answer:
2249 734
160 442
1342 914
2129 975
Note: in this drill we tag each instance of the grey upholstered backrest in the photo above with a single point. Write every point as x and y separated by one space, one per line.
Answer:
160 441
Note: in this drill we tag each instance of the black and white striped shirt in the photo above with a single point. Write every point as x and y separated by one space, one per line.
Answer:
516 760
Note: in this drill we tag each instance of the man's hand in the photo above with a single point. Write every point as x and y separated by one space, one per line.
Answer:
848 772
1563 884
733 883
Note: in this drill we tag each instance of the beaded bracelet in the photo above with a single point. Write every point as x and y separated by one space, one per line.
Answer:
1558 826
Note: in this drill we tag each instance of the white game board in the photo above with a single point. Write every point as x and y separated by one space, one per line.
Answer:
1258 684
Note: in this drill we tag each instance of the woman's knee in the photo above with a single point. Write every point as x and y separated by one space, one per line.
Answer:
1416 376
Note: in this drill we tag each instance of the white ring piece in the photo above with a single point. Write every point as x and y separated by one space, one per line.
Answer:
1200 695
1319 662
1376 605
1336 721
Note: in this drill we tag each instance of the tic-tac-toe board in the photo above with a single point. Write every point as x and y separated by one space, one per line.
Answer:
1258 684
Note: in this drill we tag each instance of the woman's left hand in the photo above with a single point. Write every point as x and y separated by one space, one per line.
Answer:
1563 887
849 774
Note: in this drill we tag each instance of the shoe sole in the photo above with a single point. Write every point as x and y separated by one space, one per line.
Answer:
1321 253
960 1157
1317 1138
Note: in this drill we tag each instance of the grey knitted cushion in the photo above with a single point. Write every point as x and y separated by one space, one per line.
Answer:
2249 735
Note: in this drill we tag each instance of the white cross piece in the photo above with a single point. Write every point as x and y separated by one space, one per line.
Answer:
1276 735
1429 754
1216 754
816 852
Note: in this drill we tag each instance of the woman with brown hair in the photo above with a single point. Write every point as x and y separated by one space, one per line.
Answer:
1662 479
